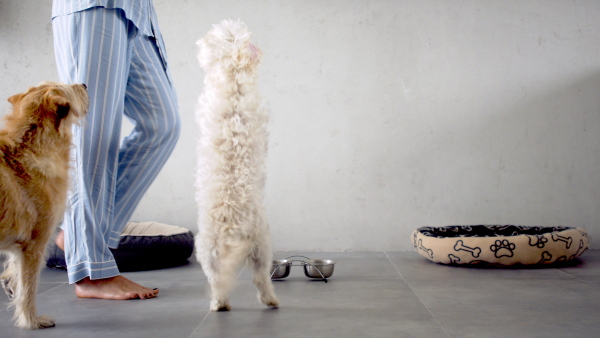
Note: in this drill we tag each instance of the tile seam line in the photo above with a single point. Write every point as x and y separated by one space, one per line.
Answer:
208 313
413 291
199 325
575 277
58 284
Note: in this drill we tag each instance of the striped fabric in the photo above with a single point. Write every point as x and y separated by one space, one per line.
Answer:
137 11
126 73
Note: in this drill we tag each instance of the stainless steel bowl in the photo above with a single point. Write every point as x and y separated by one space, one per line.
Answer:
281 268
318 268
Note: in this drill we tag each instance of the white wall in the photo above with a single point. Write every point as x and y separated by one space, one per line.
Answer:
386 115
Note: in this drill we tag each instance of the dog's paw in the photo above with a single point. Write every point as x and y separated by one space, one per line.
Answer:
270 300
41 322
7 287
44 322
219 306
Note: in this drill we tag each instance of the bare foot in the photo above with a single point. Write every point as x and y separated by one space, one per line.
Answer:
117 287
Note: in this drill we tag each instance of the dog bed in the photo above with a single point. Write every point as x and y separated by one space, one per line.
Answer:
143 246
500 244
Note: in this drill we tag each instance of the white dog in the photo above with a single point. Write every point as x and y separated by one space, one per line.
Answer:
231 165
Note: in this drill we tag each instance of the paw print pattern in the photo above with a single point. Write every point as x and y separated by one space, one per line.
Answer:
503 248
538 240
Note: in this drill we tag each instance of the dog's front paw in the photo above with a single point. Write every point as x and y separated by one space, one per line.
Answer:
41 322
216 305
7 287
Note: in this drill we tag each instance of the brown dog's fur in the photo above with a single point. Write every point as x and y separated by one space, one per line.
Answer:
34 173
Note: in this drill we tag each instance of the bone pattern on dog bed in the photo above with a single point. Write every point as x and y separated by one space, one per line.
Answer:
500 244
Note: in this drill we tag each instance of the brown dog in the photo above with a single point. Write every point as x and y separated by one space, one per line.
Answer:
34 173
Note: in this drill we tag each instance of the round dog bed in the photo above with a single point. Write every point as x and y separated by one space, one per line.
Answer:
500 244
143 246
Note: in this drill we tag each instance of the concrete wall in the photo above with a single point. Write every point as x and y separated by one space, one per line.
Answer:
386 115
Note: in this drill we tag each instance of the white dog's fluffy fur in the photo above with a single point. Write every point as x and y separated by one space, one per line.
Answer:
231 165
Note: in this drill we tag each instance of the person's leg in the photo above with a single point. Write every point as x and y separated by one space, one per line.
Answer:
151 105
94 47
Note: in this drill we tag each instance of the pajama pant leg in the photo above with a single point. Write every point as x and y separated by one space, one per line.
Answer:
101 48
151 105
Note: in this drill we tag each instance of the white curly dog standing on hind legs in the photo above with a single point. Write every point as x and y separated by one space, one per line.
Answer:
230 180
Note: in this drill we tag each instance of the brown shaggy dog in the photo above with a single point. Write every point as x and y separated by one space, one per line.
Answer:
34 173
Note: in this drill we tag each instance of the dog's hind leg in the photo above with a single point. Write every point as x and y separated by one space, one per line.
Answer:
218 287
262 261
223 275
27 264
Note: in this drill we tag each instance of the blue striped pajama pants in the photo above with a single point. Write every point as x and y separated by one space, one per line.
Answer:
126 75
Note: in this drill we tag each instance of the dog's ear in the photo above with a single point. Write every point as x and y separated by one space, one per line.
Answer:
62 108
15 98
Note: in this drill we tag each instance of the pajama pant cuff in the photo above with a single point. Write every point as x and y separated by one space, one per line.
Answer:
93 270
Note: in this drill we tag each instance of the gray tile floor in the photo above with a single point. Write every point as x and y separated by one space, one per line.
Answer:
371 294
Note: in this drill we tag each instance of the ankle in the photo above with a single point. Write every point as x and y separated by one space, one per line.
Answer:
60 240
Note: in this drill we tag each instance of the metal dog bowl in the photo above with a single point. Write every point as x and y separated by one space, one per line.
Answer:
281 268
318 268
